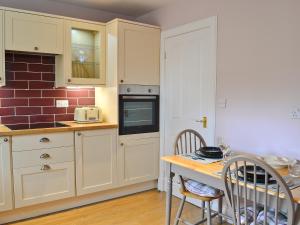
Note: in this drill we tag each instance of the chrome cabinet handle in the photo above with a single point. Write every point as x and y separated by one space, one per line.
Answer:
44 140
5 139
45 156
45 167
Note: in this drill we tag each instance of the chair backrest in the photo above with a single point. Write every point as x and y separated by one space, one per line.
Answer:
240 190
188 141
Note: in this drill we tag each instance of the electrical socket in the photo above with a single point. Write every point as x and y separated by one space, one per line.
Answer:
62 103
295 114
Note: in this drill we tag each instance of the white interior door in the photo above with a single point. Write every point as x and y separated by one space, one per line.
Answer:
189 81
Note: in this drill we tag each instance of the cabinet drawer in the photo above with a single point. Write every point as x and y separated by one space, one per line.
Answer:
33 185
42 141
42 156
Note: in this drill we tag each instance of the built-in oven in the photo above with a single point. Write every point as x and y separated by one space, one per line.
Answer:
138 109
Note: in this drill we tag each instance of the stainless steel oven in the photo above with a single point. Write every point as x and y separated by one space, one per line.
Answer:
138 109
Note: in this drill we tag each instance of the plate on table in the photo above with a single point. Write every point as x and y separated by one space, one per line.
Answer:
210 152
277 162
260 174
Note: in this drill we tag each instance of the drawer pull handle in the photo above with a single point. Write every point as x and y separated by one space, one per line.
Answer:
45 156
45 140
45 167
5 140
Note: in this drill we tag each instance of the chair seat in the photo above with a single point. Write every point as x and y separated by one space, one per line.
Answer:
201 191
260 216
282 219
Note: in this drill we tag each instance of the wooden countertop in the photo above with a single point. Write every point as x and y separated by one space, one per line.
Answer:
212 169
71 126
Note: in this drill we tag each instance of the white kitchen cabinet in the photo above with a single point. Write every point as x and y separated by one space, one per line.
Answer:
43 167
83 62
2 52
33 33
95 160
133 51
138 159
43 183
5 175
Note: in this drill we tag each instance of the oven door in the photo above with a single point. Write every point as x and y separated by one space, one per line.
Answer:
138 114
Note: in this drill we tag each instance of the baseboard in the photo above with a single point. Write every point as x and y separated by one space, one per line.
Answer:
65 204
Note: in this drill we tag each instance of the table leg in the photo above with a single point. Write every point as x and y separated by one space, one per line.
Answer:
169 194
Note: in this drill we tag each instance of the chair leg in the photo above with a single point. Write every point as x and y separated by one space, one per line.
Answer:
220 207
208 214
179 212
203 209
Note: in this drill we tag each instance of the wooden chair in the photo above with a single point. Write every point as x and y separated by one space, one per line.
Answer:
243 193
188 141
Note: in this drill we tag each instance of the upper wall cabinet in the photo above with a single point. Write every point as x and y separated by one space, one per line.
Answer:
33 33
84 56
2 61
137 50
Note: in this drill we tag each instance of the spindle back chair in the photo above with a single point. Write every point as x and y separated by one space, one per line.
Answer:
240 190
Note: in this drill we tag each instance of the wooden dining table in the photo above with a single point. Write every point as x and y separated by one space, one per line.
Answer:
208 174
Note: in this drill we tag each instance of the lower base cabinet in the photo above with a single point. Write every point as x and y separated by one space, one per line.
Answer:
96 160
5 175
39 184
138 159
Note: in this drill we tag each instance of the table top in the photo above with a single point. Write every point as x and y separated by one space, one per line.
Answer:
212 169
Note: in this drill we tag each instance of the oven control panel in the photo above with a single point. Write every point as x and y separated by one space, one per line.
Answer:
126 89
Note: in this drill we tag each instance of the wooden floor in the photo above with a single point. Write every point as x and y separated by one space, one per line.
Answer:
147 208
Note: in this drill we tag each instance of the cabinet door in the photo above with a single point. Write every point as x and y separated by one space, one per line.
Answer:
95 160
138 160
38 184
5 175
84 53
33 33
2 52
139 48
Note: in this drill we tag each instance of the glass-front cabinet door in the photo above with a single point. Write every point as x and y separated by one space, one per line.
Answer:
85 53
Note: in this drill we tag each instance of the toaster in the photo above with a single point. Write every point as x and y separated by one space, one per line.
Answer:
88 115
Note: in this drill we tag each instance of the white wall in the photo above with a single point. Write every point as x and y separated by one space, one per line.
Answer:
62 9
258 68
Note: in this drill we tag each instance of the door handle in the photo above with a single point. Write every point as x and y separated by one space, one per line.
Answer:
203 121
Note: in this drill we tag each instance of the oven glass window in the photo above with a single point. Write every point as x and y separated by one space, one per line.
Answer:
138 114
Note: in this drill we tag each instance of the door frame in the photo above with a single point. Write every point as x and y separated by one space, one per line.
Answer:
186 28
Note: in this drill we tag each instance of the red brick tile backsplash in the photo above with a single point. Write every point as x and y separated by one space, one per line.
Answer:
28 100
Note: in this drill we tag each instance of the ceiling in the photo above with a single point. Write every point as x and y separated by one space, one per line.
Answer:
133 8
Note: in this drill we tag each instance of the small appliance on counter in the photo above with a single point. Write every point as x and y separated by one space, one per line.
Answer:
88 115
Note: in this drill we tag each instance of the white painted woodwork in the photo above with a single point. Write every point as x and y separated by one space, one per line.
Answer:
138 56
64 68
138 159
188 83
189 80
31 142
96 163
5 175
2 52
32 185
35 157
33 33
